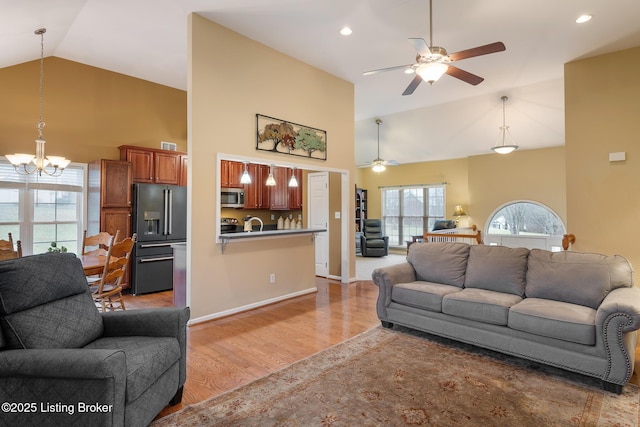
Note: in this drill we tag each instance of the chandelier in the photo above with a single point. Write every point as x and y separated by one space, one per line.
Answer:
26 164
504 131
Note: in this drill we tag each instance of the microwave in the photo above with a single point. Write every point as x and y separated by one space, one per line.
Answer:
232 198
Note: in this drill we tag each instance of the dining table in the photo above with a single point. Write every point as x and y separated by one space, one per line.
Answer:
92 264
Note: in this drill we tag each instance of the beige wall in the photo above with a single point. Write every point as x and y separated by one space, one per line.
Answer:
231 78
335 224
603 116
88 111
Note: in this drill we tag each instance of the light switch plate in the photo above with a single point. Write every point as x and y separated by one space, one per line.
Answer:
337 215
618 157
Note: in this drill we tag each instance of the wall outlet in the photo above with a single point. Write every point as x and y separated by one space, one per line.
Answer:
273 217
336 215
272 278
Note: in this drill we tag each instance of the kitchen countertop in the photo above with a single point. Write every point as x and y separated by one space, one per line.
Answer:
248 235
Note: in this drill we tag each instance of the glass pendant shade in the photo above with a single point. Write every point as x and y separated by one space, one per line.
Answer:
271 181
501 146
245 178
293 181
378 166
432 71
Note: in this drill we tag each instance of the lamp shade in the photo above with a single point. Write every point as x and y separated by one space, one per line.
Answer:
459 211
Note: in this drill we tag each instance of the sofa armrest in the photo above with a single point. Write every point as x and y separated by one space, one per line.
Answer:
624 304
69 379
151 322
385 278
617 322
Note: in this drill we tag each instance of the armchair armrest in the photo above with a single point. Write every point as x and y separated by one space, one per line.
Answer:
53 385
151 322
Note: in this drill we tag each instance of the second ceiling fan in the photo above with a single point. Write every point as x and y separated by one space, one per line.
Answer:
434 61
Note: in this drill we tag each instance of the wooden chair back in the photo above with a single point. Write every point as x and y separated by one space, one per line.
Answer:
7 244
9 253
99 242
108 291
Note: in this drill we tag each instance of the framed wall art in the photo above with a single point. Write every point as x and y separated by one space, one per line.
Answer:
285 137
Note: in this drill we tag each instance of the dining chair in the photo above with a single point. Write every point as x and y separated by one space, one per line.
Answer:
7 244
108 290
10 253
101 242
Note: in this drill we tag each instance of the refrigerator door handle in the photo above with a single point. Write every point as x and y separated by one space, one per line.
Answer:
166 213
165 258
154 245
170 210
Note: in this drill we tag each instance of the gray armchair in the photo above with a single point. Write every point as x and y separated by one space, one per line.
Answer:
372 242
63 362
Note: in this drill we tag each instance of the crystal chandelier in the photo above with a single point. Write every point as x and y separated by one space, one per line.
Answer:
26 164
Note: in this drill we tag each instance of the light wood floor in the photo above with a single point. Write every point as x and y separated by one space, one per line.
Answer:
226 353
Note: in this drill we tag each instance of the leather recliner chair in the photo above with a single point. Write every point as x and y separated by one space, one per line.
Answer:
372 242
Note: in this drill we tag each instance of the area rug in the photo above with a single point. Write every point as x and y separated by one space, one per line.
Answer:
403 378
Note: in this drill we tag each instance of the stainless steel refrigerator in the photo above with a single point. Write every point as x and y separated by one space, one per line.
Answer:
160 220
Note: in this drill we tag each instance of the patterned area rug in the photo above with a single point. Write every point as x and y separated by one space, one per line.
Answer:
404 378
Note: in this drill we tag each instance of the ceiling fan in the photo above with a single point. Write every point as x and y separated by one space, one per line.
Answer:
379 165
434 61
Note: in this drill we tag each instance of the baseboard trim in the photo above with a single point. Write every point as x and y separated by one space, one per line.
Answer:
251 306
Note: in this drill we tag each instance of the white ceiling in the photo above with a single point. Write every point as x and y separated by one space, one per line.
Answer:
450 119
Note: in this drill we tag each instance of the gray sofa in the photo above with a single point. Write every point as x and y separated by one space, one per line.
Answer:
64 363
576 311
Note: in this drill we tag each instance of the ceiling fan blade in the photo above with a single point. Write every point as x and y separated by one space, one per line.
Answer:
420 45
478 51
391 163
465 76
382 70
413 85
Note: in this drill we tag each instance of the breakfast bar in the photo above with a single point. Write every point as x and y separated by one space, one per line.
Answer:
225 238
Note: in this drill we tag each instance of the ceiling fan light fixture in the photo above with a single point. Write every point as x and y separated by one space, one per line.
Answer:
432 71
583 18
378 166
504 148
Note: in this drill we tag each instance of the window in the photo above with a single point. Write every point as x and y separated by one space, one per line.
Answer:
39 210
408 211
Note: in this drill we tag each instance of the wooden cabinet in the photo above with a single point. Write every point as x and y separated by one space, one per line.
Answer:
256 194
184 162
152 165
109 198
295 193
361 208
230 173
279 194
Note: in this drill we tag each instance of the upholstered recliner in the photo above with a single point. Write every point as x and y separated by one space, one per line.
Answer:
372 242
63 362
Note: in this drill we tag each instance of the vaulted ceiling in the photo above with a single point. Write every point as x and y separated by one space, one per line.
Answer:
448 119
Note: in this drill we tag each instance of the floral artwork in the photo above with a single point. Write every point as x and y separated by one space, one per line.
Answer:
290 138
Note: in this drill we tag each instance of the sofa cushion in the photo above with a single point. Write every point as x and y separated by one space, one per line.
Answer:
147 359
554 319
480 305
575 277
425 295
45 303
497 268
441 262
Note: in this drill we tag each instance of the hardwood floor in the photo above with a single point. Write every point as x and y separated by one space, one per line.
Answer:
226 353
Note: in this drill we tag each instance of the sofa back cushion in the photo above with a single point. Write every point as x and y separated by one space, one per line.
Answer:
575 277
440 262
497 268
45 302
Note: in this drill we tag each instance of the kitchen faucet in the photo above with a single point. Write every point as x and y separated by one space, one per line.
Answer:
247 223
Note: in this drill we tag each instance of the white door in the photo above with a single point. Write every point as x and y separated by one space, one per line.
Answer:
319 218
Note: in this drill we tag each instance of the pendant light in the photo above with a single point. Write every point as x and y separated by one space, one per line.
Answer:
245 178
22 162
271 181
378 163
504 131
293 181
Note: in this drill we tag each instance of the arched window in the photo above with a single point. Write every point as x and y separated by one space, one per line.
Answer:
525 224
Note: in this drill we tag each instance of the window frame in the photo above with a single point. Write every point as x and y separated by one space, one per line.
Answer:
425 217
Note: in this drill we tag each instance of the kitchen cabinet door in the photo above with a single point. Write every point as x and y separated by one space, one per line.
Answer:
265 192
142 164
252 192
295 193
115 184
279 194
167 168
184 165
235 172
224 173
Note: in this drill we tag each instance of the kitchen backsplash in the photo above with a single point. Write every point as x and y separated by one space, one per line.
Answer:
264 215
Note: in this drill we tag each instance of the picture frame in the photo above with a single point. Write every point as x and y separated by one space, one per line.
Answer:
285 137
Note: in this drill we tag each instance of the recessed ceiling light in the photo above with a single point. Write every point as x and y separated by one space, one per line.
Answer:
346 31
583 18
